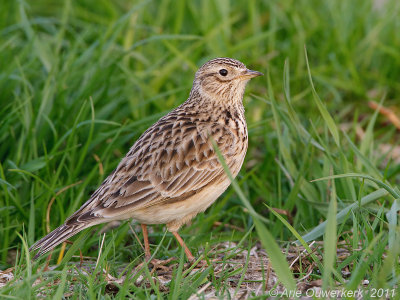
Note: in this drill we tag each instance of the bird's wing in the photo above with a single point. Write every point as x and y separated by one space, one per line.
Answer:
170 161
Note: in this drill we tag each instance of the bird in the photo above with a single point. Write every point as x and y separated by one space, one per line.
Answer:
173 171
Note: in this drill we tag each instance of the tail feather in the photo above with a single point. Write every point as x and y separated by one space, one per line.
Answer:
56 237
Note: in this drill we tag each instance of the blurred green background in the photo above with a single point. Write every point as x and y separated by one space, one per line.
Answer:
135 60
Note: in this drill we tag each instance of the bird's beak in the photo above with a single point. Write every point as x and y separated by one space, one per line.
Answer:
248 74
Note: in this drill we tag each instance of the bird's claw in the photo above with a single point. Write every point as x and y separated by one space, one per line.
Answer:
157 264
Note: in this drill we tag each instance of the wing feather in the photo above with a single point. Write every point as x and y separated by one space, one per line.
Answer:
182 164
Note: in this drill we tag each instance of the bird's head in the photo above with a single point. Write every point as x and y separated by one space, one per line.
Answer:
223 79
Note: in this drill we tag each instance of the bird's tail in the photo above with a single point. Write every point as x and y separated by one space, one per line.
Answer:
56 237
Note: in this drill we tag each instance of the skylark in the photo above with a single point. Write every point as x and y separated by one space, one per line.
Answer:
172 172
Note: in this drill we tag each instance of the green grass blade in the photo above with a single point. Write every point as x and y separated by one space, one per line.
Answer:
319 230
321 107
381 184
278 260
330 239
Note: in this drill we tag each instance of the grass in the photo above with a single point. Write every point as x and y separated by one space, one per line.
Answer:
81 80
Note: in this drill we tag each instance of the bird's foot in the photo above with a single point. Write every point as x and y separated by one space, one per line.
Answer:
201 263
157 264
161 264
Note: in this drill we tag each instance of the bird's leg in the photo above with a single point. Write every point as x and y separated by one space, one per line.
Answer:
192 260
157 264
189 255
147 253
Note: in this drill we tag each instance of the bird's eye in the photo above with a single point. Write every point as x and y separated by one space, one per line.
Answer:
223 72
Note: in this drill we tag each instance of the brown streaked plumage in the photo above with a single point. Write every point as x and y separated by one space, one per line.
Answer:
172 172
